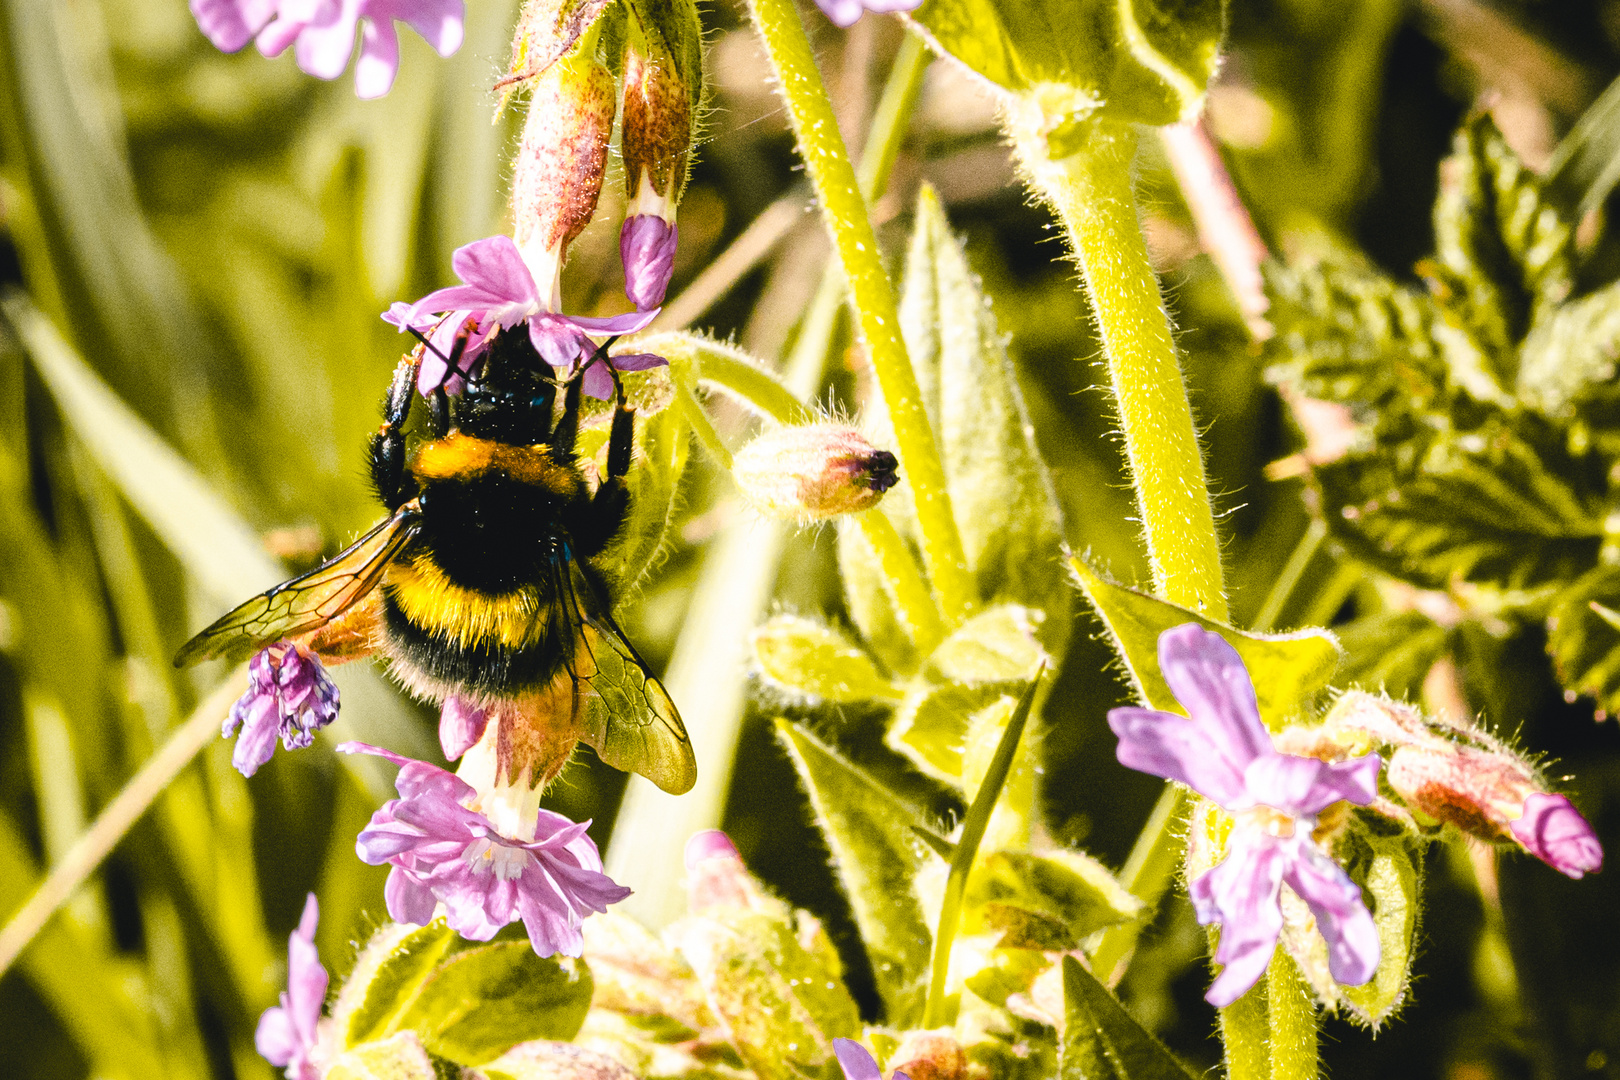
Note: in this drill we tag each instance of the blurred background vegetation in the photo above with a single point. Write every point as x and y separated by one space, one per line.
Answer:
214 237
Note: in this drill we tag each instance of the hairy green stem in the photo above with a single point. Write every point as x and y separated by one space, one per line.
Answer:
845 213
912 601
1291 1012
1246 1033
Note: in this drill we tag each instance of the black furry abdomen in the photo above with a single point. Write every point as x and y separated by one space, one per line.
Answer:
491 533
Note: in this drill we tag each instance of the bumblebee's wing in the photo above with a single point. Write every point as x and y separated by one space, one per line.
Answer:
309 601
629 718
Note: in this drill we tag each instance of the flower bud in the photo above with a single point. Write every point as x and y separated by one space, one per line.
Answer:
717 878
560 163
813 471
1554 831
929 1055
655 138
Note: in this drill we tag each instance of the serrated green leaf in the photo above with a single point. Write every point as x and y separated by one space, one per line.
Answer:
995 646
1569 354
1000 492
782 1003
931 726
1504 250
1583 641
1050 901
391 979
1144 62
400 1057
1390 652
876 854
1287 669
807 660
481 1002
1494 505
1101 1041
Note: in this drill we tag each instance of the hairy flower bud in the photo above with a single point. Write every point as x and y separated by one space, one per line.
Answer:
813 471
557 178
1461 775
929 1055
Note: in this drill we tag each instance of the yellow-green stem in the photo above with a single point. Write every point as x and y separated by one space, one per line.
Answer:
844 211
911 598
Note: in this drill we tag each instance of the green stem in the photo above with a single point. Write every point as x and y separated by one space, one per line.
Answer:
1246 1033
1289 579
912 601
1091 192
845 214
1291 1010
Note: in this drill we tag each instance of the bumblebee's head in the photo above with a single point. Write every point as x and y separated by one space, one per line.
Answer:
510 397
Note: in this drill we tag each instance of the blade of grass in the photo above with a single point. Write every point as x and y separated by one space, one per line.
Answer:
967 847
93 846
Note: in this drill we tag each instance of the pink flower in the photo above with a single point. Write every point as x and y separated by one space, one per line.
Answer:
461 724
286 1035
289 694
444 852
1225 753
846 13
1555 832
322 32
647 247
857 1062
497 293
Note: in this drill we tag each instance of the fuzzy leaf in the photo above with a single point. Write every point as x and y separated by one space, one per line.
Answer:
868 599
808 660
1584 643
398 1058
661 453
1389 868
388 974
481 1002
783 1003
931 726
1145 62
1101 1041
1504 250
996 646
1287 669
1000 492
876 853
639 976
1494 505
1049 902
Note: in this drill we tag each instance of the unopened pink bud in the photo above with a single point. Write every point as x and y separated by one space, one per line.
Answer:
717 878
557 177
1554 831
656 131
813 471
929 1055
647 246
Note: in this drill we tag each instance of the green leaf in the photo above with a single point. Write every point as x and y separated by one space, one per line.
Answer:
996 646
398 1058
1050 901
1583 639
1569 355
783 1003
1287 669
974 825
388 974
481 1002
1388 865
1586 164
1144 62
876 853
1101 1041
932 725
1390 651
1001 494
1505 251
640 977
1494 505
661 452
806 660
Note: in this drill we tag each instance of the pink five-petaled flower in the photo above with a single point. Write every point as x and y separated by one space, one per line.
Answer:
1225 753
845 13
1554 831
443 852
286 1035
498 292
321 32
289 694
858 1063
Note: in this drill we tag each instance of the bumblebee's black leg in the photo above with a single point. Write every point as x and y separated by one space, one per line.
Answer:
394 486
439 412
612 499
622 435
567 429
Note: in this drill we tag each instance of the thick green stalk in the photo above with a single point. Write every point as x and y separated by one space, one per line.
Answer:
1091 192
1246 1033
1291 1010
845 214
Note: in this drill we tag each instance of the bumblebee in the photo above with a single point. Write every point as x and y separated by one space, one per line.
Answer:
480 583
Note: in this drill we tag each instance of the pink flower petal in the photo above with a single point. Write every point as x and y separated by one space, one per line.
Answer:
374 71
461 724
1209 679
324 47
1301 786
856 1060
1179 749
1554 831
1341 915
440 22
231 24
1242 893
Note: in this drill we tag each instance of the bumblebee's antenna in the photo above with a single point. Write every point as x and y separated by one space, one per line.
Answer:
453 361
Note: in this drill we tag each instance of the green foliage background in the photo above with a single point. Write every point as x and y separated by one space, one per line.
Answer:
217 235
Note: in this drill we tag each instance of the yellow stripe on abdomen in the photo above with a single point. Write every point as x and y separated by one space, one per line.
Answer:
464 618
